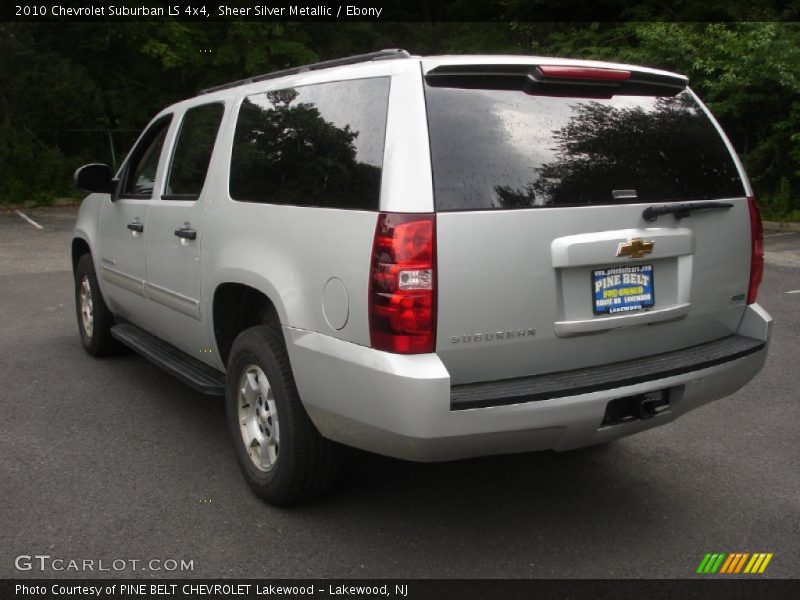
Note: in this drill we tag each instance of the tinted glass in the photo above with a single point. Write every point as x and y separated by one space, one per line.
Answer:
142 166
193 152
504 149
316 145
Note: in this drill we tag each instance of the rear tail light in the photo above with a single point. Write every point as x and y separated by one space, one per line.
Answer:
757 251
584 73
402 294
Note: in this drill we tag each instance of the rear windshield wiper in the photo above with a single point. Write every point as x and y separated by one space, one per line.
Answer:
651 213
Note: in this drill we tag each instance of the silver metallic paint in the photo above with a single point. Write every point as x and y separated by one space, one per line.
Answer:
496 270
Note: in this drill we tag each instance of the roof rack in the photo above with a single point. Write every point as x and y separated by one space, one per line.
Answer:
325 64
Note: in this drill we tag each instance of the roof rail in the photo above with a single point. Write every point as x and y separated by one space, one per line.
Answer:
325 64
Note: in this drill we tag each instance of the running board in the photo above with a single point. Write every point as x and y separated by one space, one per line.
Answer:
175 362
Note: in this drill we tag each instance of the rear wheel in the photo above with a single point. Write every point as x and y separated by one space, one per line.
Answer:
283 457
94 318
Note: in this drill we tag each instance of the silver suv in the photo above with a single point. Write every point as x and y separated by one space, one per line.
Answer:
430 258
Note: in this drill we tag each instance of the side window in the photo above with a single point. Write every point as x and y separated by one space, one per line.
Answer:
315 145
140 173
192 152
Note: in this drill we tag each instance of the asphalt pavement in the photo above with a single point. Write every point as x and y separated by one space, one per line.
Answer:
114 460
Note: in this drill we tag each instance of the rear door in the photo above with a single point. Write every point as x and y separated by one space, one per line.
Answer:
175 234
547 258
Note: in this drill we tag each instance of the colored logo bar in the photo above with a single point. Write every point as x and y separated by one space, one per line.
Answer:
734 563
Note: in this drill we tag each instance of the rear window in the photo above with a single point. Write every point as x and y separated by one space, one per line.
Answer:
315 145
496 149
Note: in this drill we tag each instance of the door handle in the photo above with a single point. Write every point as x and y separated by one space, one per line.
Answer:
186 233
136 226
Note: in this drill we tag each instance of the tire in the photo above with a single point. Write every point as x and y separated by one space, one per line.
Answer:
94 318
284 460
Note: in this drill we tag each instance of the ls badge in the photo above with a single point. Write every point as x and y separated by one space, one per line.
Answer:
635 248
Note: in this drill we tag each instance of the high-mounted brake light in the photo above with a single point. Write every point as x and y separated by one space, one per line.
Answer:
584 73
756 251
402 294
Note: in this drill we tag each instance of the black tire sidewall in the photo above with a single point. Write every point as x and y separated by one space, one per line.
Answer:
259 346
93 344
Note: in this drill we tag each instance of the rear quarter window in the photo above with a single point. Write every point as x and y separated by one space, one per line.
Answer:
315 145
495 149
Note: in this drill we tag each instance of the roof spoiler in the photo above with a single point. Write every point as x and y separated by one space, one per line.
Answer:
558 80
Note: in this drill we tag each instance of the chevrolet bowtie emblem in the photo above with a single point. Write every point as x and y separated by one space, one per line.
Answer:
635 248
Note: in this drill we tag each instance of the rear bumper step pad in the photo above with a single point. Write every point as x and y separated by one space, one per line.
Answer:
605 377
177 363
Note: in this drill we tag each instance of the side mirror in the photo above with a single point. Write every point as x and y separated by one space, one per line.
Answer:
94 177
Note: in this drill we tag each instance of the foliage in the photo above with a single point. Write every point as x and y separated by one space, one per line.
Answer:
749 74
64 87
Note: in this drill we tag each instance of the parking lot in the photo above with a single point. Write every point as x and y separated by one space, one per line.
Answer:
113 459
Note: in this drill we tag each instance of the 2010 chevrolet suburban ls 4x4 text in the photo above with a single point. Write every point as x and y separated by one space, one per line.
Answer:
429 258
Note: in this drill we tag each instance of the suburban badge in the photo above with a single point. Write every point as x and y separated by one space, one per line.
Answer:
492 336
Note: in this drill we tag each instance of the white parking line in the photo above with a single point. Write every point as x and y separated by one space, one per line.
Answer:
794 292
29 220
779 234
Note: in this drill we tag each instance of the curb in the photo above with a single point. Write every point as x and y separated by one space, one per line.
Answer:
780 226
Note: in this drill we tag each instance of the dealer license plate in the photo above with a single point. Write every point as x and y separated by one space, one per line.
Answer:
622 289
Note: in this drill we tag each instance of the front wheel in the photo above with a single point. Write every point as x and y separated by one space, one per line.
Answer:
94 318
283 457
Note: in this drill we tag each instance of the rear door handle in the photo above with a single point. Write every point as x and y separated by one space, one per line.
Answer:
136 226
186 233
